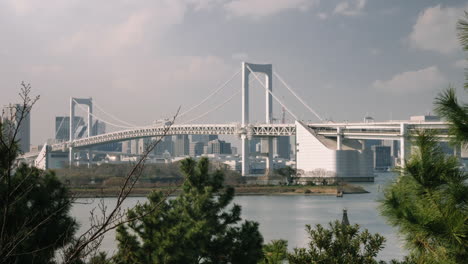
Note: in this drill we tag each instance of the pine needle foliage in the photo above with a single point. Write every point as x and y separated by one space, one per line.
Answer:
275 252
195 227
446 103
462 28
338 244
456 113
428 204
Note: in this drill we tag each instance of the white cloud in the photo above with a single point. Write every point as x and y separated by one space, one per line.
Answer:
262 8
435 29
109 39
461 64
322 16
427 79
350 8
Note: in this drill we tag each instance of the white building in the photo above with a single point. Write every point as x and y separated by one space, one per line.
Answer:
321 157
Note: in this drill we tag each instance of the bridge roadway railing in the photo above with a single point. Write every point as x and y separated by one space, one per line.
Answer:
384 130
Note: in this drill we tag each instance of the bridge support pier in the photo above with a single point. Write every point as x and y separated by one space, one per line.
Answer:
269 157
245 156
339 138
70 156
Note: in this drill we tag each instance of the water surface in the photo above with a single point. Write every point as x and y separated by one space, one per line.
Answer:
285 217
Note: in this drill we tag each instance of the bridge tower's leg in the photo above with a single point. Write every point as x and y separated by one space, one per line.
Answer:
245 120
71 130
404 144
269 118
246 70
90 127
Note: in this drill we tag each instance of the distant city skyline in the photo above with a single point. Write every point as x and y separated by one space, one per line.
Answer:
141 60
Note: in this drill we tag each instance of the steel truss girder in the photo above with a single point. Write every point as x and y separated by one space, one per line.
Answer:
348 130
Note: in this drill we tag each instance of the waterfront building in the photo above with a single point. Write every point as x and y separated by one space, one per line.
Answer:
382 157
322 158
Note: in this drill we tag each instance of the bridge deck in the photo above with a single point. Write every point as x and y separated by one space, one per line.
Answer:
381 130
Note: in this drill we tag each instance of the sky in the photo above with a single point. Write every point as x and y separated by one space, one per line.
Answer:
141 59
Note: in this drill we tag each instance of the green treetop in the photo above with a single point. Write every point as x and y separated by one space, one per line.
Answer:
428 203
195 227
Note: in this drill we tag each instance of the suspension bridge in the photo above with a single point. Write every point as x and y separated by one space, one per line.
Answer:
336 137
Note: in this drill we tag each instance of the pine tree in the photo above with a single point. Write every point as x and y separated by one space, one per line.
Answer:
447 104
195 227
341 243
34 204
428 203
275 252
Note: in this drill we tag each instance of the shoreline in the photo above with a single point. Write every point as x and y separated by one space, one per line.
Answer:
245 190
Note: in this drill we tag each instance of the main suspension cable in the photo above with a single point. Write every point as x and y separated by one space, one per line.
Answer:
294 93
210 95
100 119
112 116
216 108
266 89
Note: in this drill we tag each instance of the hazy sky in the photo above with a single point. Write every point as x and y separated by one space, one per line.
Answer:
140 60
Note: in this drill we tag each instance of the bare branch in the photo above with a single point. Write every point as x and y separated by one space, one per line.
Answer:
86 243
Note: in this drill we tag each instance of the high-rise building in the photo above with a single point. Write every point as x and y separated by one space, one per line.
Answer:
371 142
200 138
253 145
62 126
233 150
12 113
134 147
181 146
264 145
99 128
127 147
394 147
382 157
218 147
169 145
196 149
282 147
143 144
212 137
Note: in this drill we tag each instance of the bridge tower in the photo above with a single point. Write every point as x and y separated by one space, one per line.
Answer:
267 70
89 103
